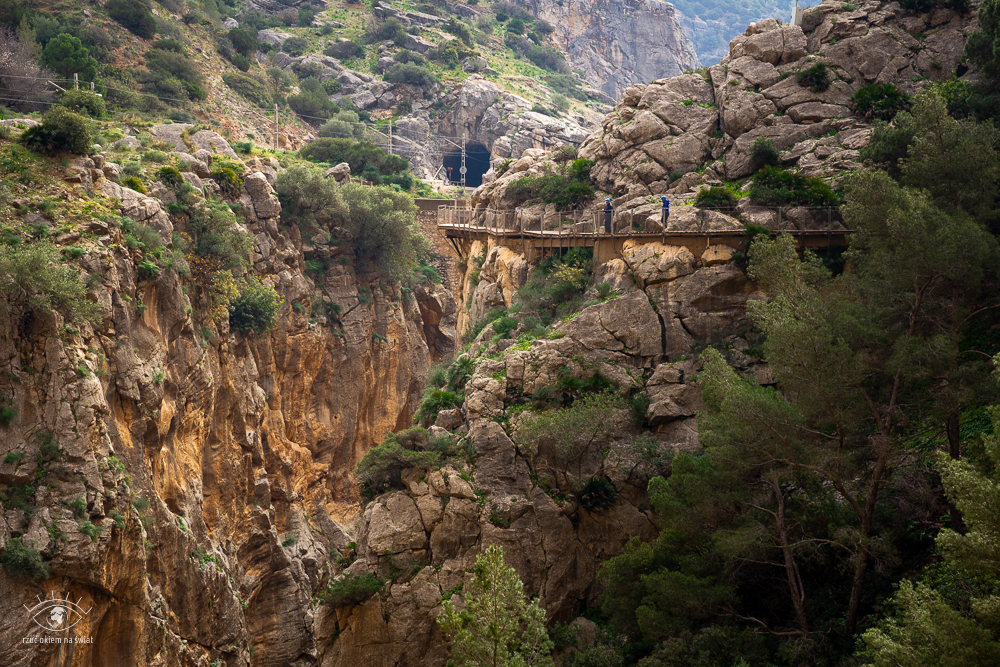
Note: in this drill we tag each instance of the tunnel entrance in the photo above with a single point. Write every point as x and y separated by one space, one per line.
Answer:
477 163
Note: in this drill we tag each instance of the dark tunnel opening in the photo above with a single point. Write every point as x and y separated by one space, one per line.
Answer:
477 163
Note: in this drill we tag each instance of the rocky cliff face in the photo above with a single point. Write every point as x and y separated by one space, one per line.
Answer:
193 500
677 135
618 43
212 468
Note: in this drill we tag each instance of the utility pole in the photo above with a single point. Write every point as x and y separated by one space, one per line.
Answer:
463 170
276 126
390 135
76 81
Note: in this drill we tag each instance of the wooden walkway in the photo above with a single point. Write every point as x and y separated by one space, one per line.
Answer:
608 246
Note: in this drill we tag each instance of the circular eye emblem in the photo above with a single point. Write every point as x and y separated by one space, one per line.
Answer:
55 614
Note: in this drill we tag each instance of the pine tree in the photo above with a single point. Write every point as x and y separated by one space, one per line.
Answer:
499 626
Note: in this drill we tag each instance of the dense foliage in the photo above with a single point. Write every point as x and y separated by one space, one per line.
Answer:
812 499
255 308
773 186
499 625
567 188
61 131
381 221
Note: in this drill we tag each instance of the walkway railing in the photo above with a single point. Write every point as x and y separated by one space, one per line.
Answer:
818 220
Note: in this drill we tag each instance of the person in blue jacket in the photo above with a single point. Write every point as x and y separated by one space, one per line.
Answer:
609 211
665 212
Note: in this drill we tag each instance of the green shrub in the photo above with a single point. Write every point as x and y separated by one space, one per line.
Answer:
312 101
879 100
19 560
79 506
255 309
61 131
351 590
548 58
390 28
148 269
13 458
597 494
243 147
715 198
218 240
763 153
411 74
772 186
250 87
565 190
380 468
888 143
7 415
229 182
158 157
503 326
295 46
134 16
133 183
434 401
345 50
172 75
35 276
362 156
816 78
170 176
90 530
83 101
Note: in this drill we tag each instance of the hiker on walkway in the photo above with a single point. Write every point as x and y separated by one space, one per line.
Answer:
665 212
609 211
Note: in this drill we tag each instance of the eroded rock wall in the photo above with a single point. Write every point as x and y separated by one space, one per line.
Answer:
618 43
200 481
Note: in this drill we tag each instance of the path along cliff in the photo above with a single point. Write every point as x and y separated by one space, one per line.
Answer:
213 468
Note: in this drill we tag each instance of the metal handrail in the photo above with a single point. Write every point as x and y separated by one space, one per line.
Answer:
504 221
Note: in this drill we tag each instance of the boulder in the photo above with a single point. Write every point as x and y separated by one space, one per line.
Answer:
273 37
340 173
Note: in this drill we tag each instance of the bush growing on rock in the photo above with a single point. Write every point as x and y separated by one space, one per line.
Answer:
172 75
567 188
61 131
816 78
382 222
715 198
20 560
879 100
379 470
255 309
295 46
219 243
763 153
777 187
889 143
351 590
364 157
345 50
312 101
34 276
134 16
83 101
411 74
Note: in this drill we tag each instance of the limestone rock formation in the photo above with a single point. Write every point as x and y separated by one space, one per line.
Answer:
617 43
185 483
676 135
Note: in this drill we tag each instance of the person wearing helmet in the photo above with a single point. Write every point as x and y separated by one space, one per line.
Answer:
665 212
609 211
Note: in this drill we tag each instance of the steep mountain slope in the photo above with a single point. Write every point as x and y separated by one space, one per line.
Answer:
616 44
